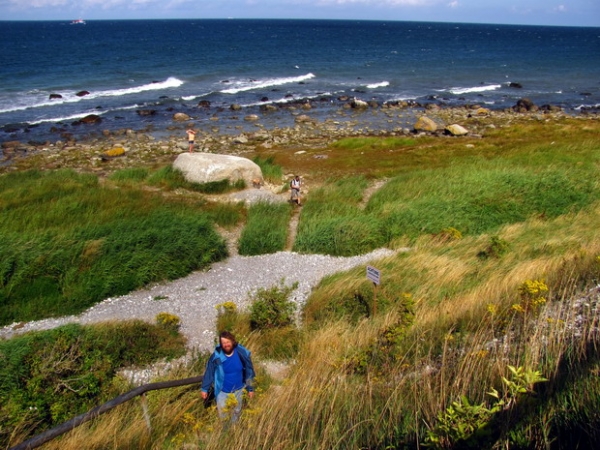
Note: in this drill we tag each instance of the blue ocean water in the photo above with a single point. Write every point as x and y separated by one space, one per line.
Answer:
171 65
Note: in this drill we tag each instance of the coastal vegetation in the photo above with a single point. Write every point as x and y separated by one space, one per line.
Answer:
482 334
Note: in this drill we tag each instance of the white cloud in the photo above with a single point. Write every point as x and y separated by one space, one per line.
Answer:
454 4
561 8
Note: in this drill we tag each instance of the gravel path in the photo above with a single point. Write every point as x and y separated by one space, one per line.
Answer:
194 297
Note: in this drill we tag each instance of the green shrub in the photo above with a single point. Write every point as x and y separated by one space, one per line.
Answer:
51 376
497 248
271 307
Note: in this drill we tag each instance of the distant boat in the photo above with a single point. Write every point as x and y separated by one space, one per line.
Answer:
78 22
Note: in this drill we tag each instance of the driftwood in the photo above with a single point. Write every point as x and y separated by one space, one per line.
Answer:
48 435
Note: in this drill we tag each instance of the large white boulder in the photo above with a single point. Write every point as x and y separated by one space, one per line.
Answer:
209 167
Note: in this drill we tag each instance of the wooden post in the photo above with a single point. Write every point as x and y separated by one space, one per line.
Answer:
146 413
375 285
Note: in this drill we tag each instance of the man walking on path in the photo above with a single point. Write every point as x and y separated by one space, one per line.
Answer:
191 133
295 186
230 370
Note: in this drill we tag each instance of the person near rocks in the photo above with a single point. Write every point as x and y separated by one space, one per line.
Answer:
229 371
191 134
295 187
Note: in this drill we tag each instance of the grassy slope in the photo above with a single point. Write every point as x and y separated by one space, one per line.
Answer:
382 382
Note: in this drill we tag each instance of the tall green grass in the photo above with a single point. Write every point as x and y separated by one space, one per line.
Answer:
271 172
472 195
478 198
332 222
68 243
266 229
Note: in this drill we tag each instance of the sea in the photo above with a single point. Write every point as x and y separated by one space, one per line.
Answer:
203 67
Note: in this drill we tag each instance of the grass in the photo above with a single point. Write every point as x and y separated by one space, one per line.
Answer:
69 242
524 206
266 229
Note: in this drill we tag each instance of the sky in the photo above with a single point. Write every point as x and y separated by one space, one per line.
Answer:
522 12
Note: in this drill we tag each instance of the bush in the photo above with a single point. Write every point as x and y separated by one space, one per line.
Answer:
271 307
51 376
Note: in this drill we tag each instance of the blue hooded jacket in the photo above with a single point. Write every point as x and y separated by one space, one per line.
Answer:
214 369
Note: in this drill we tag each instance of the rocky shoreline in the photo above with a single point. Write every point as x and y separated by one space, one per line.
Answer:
150 147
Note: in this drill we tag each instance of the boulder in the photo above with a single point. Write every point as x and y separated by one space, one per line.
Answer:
208 167
204 104
181 117
251 118
525 105
456 130
235 107
82 93
55 96
359 104
303 118
425 124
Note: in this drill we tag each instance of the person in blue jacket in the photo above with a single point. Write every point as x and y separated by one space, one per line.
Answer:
230 370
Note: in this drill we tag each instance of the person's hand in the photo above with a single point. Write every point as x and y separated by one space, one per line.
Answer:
251 394
204 395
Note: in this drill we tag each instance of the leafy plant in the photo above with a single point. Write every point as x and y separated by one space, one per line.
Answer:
271 307
468 425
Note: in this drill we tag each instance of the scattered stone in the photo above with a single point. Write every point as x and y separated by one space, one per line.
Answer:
525 105
424 123
181 117
456 130
55 96
82 93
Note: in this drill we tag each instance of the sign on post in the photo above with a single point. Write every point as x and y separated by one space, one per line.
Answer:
373 274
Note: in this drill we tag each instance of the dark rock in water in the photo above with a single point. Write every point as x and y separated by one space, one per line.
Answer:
264 99
224 81
343 98
11 128
524 105
163 97
585 94
91 119
82 93
289 96
204 104
55 96
512 84
235 107
146 112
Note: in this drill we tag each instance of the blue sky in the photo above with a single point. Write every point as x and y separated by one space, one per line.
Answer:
530 12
